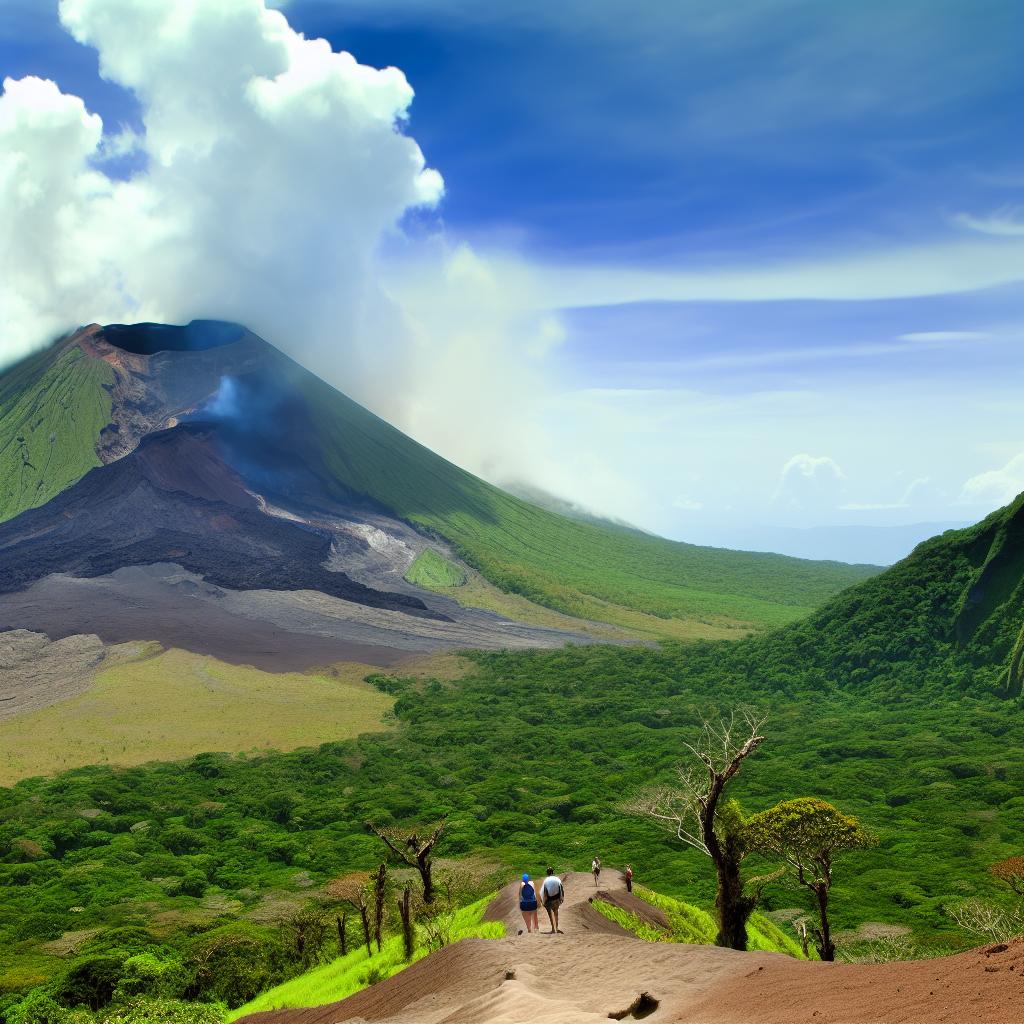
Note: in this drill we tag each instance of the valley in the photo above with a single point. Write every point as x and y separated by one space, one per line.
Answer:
229 640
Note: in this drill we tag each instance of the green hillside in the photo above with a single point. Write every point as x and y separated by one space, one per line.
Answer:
52 409
691 925
579 568
948 616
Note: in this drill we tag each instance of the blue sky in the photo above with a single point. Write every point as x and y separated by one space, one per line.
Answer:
770 230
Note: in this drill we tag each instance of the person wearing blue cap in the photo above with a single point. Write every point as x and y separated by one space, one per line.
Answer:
528 904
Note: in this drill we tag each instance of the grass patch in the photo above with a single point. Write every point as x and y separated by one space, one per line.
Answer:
434 571
349 974
691 925
478 592
52 409
177 703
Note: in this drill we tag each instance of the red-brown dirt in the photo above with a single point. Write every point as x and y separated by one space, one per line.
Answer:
586 976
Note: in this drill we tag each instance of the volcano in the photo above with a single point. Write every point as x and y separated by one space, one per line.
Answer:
195 486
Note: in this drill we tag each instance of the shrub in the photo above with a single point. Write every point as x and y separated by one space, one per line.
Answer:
90 982
147 974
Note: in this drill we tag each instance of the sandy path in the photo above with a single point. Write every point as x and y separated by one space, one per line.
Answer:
596 972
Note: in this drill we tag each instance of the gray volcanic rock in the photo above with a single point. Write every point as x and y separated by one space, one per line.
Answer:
174 500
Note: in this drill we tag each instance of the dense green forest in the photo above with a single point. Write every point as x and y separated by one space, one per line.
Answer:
530 754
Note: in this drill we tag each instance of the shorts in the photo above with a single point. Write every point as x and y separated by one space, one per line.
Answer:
550 905
527 908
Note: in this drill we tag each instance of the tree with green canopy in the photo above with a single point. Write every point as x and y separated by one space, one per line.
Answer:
807 834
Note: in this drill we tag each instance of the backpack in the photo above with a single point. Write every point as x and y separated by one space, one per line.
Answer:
560 895
529 894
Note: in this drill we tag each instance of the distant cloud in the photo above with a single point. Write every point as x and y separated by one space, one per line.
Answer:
943 267
995 487
809 482
685 504
928 336
909 498
1006 221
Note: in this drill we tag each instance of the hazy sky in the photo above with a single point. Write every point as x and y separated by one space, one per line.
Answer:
709 267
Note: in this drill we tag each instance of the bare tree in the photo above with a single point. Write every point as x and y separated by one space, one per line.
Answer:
352 889
992 922
414 850
695 811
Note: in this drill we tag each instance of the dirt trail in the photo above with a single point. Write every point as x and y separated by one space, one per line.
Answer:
596 972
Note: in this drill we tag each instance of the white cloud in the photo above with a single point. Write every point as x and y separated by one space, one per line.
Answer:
1007 221
995 487
809 482
939 336
270 178
47 197
892 272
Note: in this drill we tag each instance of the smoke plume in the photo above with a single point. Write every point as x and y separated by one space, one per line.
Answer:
269 172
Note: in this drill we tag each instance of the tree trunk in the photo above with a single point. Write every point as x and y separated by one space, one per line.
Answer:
343 933
826 948
406 915
379 891
733 907
424 867
364 913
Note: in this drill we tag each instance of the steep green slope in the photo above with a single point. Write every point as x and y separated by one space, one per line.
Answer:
576 567
52 409
949 614
355 971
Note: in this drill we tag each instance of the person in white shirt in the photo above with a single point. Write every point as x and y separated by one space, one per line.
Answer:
552 893
595 867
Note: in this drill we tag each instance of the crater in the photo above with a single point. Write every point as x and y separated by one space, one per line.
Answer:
146 339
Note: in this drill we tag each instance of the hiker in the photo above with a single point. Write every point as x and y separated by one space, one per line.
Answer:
552 893
628 875
528 905
595 867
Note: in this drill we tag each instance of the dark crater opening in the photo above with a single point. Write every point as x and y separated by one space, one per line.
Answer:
145 339
643 1006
